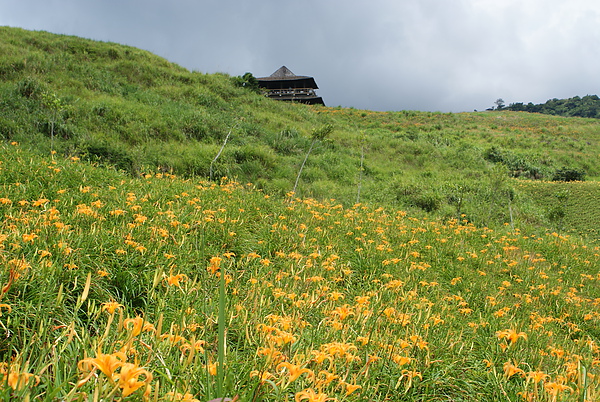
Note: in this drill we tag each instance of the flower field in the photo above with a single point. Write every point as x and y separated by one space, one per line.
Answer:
160 288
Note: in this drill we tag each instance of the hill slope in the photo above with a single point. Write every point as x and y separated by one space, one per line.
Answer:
119 287
120 106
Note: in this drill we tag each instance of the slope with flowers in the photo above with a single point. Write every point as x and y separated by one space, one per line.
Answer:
162 288
124 107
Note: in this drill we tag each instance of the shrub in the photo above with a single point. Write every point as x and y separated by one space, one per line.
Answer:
569 174
113 155
417 195
8 128
429 201
30 88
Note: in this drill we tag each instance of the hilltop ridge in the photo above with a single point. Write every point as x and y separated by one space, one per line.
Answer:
125 108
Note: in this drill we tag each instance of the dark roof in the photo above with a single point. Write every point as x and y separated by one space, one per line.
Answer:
285 74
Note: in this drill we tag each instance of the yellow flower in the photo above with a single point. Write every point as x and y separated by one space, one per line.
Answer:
335 296
401 360
511 335
197 346
111 306
554 388
510 370
327 377
108 364
350 388
537 376
263 376
174 339
342 312
338 348
15 379
29 237
363 340
129 378
40 202
272 354
5 306
311 396
97 204
138 325
174 280
212 368
320 357
294 371
177 397
214 264
436 319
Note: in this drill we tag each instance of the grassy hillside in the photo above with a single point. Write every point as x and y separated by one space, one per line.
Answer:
161 288
124 107
436 261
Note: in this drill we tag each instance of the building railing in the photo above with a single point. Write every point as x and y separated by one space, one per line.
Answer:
291 92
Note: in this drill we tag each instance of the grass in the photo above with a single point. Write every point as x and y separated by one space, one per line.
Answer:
567 201
130 288
424 256
120 106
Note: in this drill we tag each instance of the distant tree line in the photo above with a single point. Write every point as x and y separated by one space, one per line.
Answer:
588 106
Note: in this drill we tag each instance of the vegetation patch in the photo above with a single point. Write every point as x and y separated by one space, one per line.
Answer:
173 235
164 288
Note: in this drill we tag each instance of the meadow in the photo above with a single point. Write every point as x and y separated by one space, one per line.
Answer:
167 288
152 248
123 107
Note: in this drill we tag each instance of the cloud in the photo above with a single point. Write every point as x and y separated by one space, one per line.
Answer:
380 55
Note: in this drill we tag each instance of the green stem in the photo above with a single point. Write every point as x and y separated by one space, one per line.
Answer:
221 334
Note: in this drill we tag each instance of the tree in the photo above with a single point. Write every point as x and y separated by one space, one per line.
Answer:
499 104
53 103
247 81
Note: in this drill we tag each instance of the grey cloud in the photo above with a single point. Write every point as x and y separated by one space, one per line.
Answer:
380 55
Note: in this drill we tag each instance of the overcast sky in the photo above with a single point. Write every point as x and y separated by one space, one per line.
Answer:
436 55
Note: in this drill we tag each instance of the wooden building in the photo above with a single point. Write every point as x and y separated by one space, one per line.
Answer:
286 86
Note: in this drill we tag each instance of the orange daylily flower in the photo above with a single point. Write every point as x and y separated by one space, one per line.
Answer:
129 378
15 379
138 325
510 370
537 376
511 335
5 306
263 376
350 388
175 280
311 396
107 363
111 307
294 371
178 397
